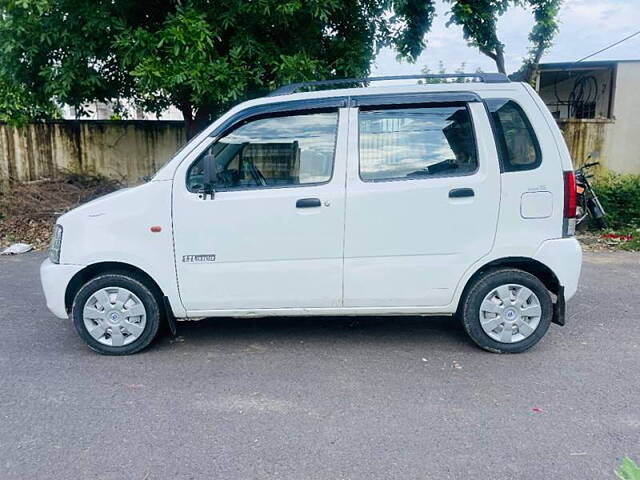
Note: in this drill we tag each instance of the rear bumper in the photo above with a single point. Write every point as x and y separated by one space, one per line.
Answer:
55 278
564 257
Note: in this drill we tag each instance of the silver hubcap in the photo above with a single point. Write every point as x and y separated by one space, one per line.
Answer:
510 313
114 316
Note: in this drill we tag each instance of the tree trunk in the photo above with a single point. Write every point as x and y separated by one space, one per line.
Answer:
187 113
201 120
532 66
194 124
499 58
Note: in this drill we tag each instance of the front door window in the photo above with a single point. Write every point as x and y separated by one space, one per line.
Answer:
272 152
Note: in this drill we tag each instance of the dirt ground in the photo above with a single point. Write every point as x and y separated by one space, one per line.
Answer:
29 210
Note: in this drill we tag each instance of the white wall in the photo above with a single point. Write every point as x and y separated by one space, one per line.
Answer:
104 111
623 142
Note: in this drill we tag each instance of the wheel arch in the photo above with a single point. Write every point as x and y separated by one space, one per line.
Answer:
95 269
529 265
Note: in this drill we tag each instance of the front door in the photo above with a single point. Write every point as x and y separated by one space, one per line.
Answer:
423 195
272 237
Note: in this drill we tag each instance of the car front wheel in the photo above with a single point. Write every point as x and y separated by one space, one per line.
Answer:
116 314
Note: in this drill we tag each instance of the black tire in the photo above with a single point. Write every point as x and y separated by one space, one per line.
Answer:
481 287
596 214
600 223
138 287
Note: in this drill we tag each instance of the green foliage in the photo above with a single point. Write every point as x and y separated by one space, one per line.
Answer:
443 70
545 28
628 470
479 20
18 105
417 16
55 52
545 13
197 55
620 198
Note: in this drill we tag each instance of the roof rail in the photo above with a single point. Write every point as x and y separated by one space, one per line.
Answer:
482 77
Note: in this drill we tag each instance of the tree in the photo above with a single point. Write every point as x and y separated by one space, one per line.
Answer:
442 70
198 55
56 52
544 30
479 20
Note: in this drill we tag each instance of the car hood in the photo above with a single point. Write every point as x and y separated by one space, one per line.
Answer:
98 206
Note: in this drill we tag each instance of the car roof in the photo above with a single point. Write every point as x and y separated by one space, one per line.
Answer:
392 88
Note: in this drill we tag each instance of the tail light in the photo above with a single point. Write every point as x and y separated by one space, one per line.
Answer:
570 204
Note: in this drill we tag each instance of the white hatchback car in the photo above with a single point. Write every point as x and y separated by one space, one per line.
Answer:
422 199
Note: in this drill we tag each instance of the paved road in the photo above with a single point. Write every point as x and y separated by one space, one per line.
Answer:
302 399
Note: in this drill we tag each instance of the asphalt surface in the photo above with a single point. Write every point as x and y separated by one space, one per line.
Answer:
323 398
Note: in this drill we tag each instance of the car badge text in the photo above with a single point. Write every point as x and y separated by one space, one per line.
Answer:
198 258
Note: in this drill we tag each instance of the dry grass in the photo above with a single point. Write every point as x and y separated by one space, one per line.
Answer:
610 240
29 210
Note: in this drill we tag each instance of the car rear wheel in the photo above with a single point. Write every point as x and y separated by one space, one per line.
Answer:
507 311
116 314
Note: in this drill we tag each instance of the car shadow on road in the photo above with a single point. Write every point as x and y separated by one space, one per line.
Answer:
319 329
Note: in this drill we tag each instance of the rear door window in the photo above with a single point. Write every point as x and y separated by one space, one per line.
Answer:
517 144
416 143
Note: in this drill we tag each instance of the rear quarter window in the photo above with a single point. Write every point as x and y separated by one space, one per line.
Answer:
515 138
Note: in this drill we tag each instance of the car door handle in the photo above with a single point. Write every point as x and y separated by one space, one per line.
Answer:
461 193
308 203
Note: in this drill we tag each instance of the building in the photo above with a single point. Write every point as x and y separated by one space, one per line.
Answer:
597 106
107 111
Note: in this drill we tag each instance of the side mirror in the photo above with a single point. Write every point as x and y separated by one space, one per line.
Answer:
209 174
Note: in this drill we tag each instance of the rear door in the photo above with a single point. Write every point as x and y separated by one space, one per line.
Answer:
423 195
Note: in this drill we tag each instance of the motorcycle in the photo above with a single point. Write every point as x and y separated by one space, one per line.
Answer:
588 203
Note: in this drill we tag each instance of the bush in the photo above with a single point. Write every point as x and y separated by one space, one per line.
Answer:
620 197
628 470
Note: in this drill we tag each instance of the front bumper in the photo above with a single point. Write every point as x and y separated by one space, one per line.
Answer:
55 278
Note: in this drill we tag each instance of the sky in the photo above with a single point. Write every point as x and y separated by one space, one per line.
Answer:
586 26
